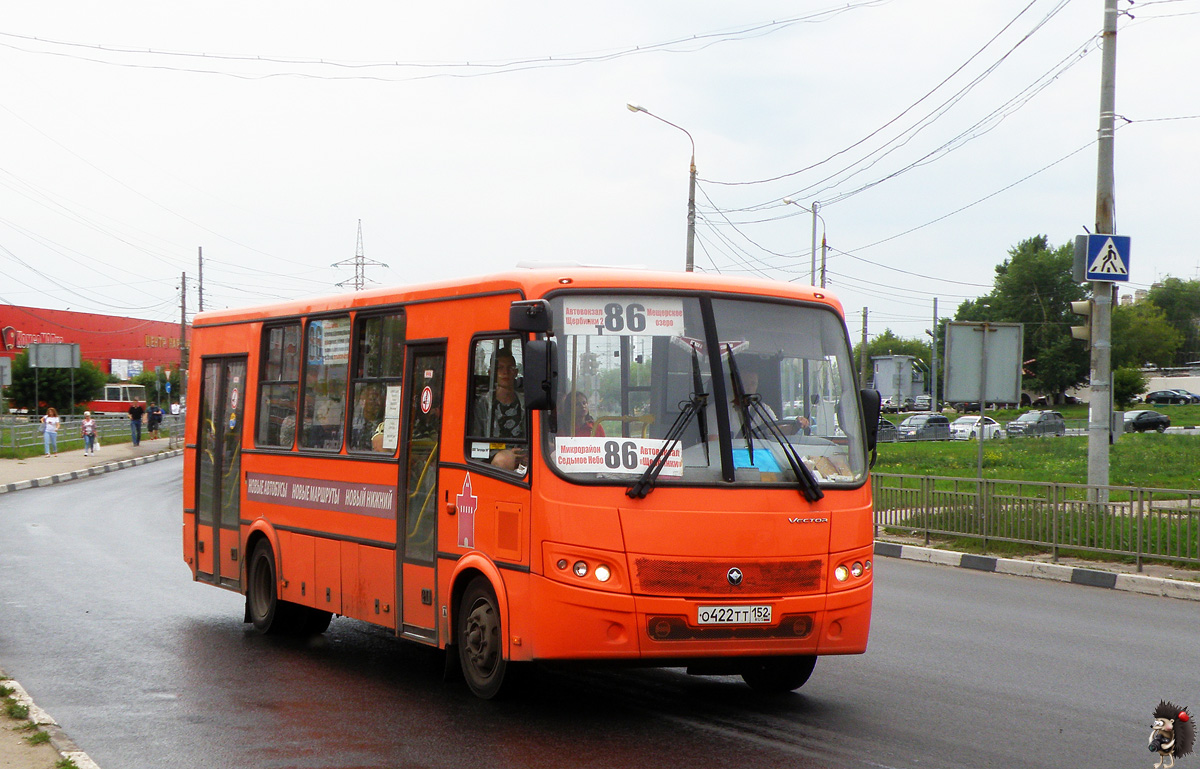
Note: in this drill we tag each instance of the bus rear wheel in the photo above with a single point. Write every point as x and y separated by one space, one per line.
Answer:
264 609
480 639
775 675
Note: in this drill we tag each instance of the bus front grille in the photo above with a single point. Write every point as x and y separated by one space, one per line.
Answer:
660 576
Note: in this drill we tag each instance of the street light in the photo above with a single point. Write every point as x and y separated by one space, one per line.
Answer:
813 275
691 229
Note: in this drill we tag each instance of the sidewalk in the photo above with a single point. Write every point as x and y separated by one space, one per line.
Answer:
17 474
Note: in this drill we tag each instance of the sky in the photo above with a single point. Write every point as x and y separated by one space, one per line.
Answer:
933 135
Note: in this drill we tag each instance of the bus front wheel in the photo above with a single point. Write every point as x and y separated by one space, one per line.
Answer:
775 675
479 638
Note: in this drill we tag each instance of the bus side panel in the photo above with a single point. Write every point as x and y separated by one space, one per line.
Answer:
377 571
297 566
353 596
418 606
329 576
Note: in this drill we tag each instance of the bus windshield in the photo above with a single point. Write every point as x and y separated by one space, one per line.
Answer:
744 378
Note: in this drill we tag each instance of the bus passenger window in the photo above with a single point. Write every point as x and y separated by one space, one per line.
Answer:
498 432
327 358
379 363
279 384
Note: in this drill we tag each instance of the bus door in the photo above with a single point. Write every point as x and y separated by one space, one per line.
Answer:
218 488
417 538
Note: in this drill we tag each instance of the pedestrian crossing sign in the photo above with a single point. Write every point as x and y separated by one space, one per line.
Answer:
1108 257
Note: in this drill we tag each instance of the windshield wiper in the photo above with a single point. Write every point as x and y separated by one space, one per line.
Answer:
739 400
702 409
808 482
688 409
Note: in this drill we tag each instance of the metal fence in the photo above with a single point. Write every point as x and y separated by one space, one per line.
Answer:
1141 523
25 432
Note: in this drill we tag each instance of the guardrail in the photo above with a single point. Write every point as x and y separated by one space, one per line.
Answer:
1141 523
26 432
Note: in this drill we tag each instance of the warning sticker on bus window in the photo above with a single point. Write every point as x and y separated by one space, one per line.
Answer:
614 455
623 316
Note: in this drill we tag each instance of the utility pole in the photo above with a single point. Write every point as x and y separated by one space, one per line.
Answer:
360 263
824 249
862 350
812 276
183 345
933 400
200 284
1100 401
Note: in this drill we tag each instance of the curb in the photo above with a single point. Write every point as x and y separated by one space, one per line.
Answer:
65 746
50 480
1133 583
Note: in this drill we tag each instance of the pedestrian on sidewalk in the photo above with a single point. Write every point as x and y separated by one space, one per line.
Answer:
50 424
87 428
136 412
153 420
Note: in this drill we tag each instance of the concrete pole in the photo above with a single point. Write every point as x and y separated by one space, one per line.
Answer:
691 230
933 392
1100 401
812 276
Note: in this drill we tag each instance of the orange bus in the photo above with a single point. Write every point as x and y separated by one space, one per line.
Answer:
551 464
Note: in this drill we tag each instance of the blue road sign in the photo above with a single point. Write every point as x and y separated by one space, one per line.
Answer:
1108 257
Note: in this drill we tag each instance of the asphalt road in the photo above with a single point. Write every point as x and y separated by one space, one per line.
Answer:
100 621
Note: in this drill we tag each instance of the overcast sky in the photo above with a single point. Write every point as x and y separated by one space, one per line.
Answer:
468 137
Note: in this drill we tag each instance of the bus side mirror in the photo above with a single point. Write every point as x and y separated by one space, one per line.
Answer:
541 374
532 316
870 412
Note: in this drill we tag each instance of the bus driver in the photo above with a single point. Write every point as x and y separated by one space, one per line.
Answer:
500 413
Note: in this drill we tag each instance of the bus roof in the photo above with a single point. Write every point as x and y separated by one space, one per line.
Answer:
530 283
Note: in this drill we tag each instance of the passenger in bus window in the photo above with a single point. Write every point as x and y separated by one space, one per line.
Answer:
750 376
366 431
500 413
575 407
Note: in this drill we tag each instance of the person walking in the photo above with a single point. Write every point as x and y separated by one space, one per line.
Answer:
153 420
136 412
50 423
87 428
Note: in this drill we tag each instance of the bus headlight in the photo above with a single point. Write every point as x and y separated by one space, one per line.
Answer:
841 573
581 569
857 569
603 573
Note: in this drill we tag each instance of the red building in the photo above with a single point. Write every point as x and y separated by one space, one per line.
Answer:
123 346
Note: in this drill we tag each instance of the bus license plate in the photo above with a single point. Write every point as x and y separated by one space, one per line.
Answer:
733 615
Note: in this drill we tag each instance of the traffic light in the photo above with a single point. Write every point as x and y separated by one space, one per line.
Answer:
1084 332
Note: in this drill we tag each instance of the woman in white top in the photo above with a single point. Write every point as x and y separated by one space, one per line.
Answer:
50 431
88 429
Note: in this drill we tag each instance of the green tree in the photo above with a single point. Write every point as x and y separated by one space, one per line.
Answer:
52 386
1142 334
153 379
1180 301
1128 384
1034 286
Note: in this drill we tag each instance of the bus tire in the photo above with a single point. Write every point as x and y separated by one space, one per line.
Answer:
263 607
480 639
776 675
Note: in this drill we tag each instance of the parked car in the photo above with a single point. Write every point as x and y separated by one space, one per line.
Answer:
896 403
1193 397
887 431
1143 419
923 403
924 427
1167 397
967 428
1037 423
